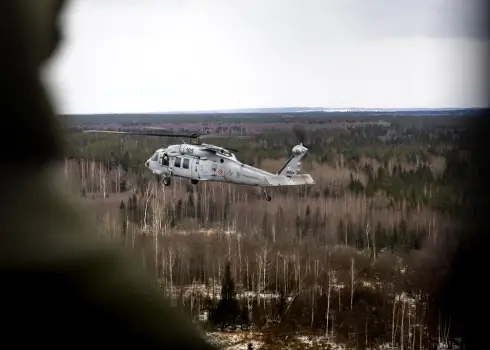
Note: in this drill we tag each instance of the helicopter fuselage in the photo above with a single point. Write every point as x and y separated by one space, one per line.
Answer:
212 163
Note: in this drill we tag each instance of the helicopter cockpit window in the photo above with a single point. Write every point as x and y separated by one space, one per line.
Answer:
154 157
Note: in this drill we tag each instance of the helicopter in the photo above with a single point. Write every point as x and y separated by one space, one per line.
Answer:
207 162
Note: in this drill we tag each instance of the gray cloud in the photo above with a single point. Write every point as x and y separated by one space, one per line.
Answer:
370 18
433 18
150 55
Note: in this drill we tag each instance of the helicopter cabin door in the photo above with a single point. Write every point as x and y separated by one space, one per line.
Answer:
203 168
194 168
178 166
184 167
163 159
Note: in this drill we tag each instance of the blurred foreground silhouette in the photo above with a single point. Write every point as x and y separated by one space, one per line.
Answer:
61 285
461 297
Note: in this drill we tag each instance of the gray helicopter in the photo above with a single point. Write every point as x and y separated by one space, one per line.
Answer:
207 162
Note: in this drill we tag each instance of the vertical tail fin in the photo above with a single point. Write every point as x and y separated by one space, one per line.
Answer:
293 164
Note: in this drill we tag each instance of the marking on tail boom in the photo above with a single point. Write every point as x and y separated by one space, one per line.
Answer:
285 165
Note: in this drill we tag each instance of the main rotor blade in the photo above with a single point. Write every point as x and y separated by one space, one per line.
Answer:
300 134
166 133
223 136
160 133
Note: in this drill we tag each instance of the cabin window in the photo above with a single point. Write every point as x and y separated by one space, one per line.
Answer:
185 165
177 162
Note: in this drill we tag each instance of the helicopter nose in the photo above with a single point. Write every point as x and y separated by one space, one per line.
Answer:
147 164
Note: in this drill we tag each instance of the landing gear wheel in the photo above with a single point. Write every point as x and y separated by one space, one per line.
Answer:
194 182
166 181
266 195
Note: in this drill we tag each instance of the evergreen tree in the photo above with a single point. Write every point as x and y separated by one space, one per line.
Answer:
126 160
282 302
355 185
228 308
245 317
257 316
326 192
199 208
191 207
299 226
123 216
178 209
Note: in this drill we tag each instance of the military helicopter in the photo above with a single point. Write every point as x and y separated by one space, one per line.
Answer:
206 162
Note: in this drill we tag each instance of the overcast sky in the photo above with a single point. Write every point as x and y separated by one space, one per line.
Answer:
162 55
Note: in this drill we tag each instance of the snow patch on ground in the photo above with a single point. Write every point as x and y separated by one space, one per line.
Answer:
235 341
240 340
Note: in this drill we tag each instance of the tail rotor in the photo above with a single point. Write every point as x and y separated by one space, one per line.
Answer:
300 135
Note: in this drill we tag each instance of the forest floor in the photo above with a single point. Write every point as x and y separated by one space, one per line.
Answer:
239 340
111 202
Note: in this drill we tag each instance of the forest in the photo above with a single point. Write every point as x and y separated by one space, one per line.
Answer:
349 262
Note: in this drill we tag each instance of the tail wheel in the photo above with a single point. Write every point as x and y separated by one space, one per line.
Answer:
166 181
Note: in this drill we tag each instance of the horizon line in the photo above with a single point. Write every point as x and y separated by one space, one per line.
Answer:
297 109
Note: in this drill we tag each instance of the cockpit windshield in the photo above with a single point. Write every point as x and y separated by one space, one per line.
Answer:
154 157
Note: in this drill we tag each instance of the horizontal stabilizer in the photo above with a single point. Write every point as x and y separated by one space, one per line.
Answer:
293 180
